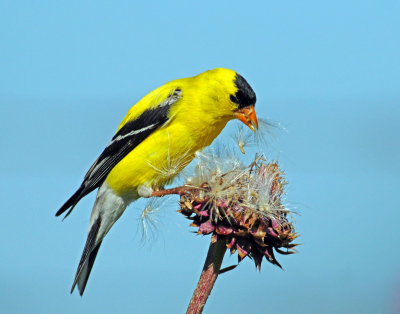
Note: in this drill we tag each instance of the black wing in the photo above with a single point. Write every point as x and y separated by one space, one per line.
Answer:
123 142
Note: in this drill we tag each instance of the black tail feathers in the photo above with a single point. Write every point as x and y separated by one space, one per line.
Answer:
88 257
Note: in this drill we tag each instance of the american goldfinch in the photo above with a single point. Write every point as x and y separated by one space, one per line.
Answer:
157 138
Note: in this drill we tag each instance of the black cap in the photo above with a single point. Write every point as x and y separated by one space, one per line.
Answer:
245 96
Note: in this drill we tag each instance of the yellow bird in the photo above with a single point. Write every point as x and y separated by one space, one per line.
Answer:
158 137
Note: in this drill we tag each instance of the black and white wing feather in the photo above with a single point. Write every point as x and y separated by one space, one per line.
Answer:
123 142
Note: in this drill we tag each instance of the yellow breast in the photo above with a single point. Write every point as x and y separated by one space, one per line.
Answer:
159 158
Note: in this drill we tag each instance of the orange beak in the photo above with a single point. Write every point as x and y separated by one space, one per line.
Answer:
248 116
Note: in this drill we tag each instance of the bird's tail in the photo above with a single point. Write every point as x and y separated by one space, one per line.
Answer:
106 211
88 257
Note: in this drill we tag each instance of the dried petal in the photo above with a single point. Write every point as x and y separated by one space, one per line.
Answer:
258 231
231 243
206 227
222 203
272 232
198 206
224 230
275 224
242 253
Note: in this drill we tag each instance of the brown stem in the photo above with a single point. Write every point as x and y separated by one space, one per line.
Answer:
178 190
208 277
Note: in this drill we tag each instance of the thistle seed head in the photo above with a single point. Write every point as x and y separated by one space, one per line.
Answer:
242 206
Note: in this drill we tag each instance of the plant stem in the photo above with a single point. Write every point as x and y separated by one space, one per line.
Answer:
178 190
208 277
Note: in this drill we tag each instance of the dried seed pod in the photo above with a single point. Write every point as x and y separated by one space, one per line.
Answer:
242 207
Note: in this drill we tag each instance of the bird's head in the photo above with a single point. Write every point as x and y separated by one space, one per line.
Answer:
234 96
245 99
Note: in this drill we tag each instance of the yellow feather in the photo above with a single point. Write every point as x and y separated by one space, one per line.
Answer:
195 121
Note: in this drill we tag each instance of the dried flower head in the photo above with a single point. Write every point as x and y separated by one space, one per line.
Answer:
241 206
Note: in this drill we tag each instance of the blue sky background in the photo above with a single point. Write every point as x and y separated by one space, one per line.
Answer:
329 72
